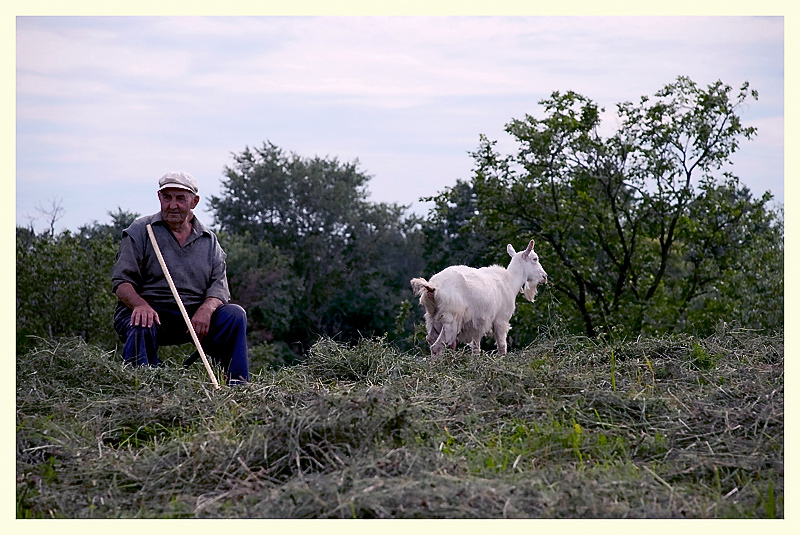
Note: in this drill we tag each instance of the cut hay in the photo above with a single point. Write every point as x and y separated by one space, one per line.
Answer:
673 427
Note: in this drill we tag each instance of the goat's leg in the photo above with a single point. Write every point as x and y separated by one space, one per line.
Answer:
475 344
500 334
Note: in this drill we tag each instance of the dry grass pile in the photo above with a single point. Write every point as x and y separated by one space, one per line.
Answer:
568 428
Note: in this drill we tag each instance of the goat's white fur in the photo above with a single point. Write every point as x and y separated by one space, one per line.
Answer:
464 303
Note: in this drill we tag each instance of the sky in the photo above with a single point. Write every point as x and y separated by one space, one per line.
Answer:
106 105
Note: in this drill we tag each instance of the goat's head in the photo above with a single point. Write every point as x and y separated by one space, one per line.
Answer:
533 272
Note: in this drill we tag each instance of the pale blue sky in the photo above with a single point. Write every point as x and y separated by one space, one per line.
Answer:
106 105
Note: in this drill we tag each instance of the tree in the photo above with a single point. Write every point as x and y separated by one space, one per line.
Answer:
262 281
350 259
52 214
63 287
452 233
619 221
63 283
120 220
730 247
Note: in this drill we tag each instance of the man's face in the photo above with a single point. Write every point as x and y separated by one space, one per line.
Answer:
177 205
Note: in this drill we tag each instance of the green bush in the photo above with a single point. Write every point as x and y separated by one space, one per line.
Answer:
63 288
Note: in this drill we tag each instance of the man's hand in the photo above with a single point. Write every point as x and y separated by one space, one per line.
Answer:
201 321
144 316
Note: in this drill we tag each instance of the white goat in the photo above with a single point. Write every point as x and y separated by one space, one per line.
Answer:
464 303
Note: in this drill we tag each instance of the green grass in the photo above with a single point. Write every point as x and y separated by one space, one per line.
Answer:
672 427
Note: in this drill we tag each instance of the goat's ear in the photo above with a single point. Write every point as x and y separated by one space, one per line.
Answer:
530 248
511 250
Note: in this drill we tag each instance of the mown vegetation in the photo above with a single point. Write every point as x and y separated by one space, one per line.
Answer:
667 427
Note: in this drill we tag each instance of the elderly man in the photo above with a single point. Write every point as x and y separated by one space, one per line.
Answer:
147 315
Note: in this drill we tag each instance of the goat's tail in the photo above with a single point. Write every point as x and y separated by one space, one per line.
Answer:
426 294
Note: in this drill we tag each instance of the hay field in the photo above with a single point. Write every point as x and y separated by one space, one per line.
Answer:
668 427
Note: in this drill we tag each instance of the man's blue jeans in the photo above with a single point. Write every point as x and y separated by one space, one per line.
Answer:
225 343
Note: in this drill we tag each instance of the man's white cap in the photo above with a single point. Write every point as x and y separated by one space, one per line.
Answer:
178 179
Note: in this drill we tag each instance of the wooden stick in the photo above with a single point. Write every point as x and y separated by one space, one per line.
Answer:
180 305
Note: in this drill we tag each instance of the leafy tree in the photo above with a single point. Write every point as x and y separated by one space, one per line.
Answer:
382 257
730 247
120 220
636 230
350 259
63 287
262 281
452 235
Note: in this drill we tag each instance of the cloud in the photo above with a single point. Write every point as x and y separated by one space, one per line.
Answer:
128 98
387 61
